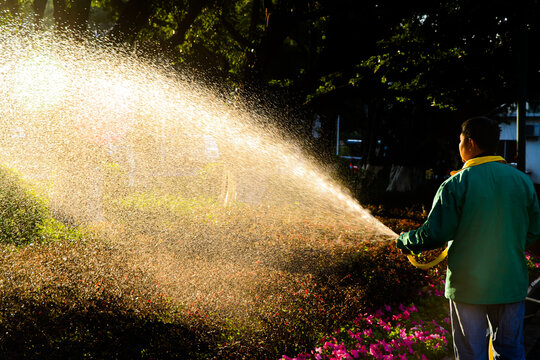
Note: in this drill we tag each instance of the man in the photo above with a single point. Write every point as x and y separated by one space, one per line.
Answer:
489 213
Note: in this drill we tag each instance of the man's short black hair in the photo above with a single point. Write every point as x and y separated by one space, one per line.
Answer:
484 131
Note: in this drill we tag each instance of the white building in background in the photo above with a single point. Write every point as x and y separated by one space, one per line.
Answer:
508 140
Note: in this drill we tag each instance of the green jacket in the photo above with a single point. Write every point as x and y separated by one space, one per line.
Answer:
488 213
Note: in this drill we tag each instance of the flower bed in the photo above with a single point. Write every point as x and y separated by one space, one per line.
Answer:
404 332
194 280
245 287
214 283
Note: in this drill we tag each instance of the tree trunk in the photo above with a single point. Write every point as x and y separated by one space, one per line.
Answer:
39 9
60 14
133 16
69 15
78 16
252 33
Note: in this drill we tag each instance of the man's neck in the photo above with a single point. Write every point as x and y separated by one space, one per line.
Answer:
483 153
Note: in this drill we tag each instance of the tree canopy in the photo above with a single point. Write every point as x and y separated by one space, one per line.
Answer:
393 68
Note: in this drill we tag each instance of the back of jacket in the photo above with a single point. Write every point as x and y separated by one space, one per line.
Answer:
489 213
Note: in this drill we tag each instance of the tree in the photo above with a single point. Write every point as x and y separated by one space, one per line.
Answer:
71 15
393 68
439 62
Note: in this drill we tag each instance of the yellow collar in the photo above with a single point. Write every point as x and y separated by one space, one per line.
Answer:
479 161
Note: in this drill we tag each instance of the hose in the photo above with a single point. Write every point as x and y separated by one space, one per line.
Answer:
430 264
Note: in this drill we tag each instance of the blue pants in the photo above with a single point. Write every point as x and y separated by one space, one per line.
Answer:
473 325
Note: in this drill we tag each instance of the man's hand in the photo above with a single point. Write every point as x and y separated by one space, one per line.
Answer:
404 251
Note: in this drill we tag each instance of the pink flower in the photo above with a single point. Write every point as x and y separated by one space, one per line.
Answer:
362 349
408 343
374 350
402 333
406 315
386 347
354 335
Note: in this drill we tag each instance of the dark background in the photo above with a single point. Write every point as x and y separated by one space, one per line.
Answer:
401 76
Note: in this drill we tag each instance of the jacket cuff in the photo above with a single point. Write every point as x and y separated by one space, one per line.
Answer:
402 239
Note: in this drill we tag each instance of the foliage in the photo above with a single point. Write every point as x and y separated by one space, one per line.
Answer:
374 275
105 311
391 70
25 218
103 298
533 265
74 300
22 213
308 43
440 56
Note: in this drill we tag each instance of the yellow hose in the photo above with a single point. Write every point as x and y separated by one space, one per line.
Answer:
430 264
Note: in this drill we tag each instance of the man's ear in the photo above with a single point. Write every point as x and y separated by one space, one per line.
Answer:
473 145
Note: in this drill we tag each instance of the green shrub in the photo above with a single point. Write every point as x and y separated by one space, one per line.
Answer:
22 213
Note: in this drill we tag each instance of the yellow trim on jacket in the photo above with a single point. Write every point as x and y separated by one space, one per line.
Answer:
479 161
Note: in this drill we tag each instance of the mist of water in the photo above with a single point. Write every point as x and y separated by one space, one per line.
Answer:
202 189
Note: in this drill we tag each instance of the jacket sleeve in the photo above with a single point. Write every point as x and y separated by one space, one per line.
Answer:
441 224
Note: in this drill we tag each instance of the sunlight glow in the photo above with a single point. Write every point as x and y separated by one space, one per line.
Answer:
39 83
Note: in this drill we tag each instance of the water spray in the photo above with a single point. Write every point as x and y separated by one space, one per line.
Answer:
199 192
